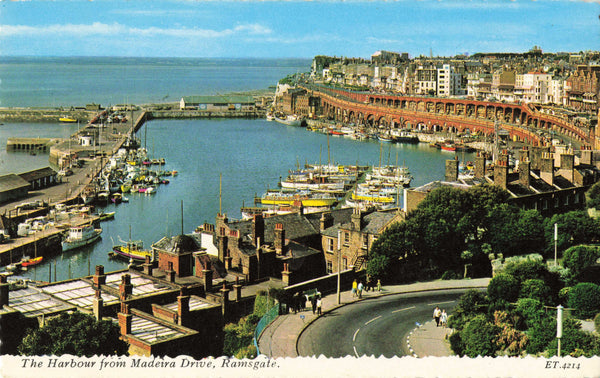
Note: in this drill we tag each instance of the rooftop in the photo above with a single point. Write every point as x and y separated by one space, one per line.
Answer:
32 302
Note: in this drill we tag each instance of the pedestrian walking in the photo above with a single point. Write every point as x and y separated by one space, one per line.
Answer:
313 303
378 285
319 304
354 287
360 289
444 319
437 313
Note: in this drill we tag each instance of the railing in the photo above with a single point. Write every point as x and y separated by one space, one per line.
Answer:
267 318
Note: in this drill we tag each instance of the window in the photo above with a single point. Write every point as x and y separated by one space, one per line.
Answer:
365 241
330 245
344 263
576 198
329 267
346 238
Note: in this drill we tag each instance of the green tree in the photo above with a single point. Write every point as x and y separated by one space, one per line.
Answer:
535 288
584 298
503 287
574 227
78 334
541 334
579 257
530 312
593 196
480 337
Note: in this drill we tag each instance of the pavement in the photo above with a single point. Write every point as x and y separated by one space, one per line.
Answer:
279 339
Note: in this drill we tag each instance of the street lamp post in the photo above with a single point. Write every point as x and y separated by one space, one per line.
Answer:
559 317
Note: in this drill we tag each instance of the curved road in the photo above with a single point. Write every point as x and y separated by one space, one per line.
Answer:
373 327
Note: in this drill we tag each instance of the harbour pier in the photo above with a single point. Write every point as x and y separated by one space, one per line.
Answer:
44 242
47 242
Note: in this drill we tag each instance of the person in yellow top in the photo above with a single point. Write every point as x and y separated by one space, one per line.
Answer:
354 288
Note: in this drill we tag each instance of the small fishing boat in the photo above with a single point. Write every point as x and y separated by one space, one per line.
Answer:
448 147
26 261
66 119
80 236
133 249
102 216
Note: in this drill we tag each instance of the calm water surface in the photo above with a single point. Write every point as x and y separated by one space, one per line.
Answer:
249 155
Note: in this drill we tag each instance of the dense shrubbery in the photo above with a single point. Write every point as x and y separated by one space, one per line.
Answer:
579 257
495 324
536 289
503 287
78 334
239 336
479 337
584 298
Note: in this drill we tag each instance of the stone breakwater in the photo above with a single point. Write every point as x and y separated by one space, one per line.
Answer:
50 115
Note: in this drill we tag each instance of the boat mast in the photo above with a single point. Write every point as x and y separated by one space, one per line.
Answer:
181 217
220 188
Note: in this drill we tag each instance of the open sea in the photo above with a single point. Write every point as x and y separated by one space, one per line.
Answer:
250 155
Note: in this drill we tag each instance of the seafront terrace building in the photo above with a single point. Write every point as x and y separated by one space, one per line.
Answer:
548 182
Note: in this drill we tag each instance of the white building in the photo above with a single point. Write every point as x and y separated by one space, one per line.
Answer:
448 81
532 87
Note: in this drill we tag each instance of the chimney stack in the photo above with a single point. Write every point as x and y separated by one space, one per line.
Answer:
258 229
98 305
238 289
183 307
124 319
547 168
480 165
501 172
326 221
99 278
207 275
147 266
279 238
452 170
567 166
586 155
125 287
524 176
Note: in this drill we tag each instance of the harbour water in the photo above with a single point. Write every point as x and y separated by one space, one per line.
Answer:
249 155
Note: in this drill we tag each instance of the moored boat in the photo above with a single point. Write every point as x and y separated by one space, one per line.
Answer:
80 236
66 119
26 261
132 250
448 147
305 198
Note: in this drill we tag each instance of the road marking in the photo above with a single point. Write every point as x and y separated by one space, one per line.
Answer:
438 303
355 333
403 309
355 352
372 320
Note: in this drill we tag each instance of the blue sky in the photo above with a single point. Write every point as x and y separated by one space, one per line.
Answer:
298 29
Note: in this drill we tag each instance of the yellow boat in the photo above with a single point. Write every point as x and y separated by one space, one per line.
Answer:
372 198
305 199
67 120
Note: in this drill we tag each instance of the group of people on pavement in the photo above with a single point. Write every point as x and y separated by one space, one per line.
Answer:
358 287
440 317
299 303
